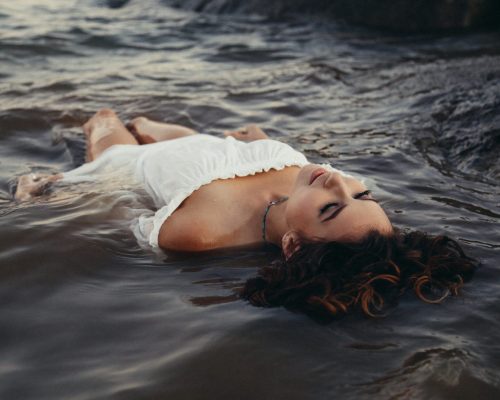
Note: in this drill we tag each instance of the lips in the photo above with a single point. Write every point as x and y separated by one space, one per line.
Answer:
315 174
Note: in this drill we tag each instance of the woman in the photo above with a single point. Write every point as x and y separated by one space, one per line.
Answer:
339 249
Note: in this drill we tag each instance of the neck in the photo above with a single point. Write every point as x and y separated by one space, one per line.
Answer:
273 186
276 225
264 219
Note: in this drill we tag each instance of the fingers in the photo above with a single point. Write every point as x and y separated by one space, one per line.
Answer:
29 186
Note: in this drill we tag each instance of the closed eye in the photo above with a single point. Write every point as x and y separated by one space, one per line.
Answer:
366 195
326 207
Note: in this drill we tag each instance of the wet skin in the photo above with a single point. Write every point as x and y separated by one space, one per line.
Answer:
332 207
322 205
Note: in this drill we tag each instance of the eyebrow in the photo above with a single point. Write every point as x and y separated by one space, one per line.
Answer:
337 212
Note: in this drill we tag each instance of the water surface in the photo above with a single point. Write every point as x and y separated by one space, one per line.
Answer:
87 314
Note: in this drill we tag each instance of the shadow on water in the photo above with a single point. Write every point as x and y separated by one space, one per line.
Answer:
86 312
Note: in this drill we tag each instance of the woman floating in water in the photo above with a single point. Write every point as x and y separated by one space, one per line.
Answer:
339 249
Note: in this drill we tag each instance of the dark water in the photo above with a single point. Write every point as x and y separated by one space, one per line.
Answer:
85 313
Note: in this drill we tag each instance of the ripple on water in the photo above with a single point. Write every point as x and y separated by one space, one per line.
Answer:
88 312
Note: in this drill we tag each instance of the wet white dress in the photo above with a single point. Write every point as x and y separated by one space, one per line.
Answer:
170 171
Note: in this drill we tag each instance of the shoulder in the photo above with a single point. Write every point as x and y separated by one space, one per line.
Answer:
183 232
190 239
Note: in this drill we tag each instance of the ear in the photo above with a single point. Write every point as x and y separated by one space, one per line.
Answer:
290 243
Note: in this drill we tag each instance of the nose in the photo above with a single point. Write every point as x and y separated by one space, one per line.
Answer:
337 184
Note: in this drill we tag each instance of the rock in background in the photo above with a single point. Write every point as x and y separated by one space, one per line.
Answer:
421 15
399 15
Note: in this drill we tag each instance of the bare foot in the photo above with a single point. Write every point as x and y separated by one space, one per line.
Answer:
148 131
29 186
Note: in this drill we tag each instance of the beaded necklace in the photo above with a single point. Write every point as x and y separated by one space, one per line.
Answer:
271 203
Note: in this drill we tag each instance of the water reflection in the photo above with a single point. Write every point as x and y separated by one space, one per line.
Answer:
89 313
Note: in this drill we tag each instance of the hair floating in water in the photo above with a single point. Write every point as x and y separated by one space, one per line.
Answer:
336 278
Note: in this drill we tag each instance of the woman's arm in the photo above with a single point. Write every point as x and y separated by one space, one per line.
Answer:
148 131
248 134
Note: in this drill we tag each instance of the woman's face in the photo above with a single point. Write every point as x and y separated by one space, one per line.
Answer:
326 206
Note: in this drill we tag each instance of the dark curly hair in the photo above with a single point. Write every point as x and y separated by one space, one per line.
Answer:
334 278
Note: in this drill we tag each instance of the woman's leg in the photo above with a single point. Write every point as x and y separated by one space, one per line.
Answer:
148 131
104 130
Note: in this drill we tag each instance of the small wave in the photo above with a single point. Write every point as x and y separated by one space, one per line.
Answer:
36 47
249 55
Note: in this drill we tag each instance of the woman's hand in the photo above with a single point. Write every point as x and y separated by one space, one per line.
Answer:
249 133
32 185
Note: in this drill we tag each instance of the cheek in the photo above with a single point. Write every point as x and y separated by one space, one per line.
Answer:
299 212
291 212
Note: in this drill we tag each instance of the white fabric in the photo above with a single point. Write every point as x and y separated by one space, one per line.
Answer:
170 171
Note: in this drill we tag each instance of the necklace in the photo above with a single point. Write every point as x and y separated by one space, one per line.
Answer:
271 203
